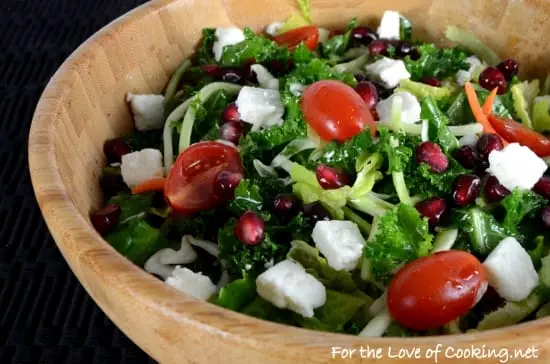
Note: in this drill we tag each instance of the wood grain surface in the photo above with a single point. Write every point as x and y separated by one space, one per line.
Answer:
83 105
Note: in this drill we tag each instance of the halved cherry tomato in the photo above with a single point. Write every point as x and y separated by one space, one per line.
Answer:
434 290
335 110
515 132
190 186
308 34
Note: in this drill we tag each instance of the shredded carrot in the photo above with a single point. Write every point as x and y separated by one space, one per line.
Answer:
488 105
150 185
479 115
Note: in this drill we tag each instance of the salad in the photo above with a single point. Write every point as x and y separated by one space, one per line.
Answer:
349 180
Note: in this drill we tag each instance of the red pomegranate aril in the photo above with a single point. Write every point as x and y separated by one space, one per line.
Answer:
232 75
330 178
431 154
545 215
494 191
377 47
286 204
467 157
509 68
231 113
491 77
466 189
250 229
368 93
105 219
316 212
212 70
226 183
487 143
432 81
114 149
543 187
403 49
232 131
363 35
433 209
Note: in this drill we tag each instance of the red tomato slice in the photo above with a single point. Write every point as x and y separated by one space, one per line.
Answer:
515 132
308 34
190 183
335 111
432 291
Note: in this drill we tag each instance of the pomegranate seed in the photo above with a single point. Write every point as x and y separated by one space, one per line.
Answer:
111 184
316 212
377 47
543 187
226 183
491 77
466 189
487 143
105 219
431 154
403 49
250 229
330 178
368 92
212 70
232 75
114 149
433 209
232 131
286 204
545 214
467 157
509 68
494 191
231 113
363 35
432 81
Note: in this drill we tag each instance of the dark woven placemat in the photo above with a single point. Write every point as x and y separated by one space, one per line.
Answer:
45 314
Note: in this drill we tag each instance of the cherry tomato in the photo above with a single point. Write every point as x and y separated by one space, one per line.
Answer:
434 290
308 34
515 132
335 111
190 185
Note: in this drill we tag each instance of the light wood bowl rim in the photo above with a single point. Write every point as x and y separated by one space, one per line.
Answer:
53 200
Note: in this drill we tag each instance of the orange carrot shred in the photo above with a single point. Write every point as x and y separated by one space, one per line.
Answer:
150 185
479 115
488 105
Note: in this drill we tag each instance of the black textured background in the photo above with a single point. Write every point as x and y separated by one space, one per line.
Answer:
45 314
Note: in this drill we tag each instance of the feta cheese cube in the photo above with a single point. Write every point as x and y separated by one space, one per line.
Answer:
388 71
516 166
410 113
464 76
260 107
340 242
148 111
265 78
390 25
137 167
510 270
226 37
194 284
287 285
274 28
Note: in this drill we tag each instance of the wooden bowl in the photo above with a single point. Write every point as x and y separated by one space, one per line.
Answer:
83 105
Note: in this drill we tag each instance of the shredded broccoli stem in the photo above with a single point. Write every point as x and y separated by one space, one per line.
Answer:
416 129
169 126
378 325
445 240
472 43
363 225
353 65
175 79
370 204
